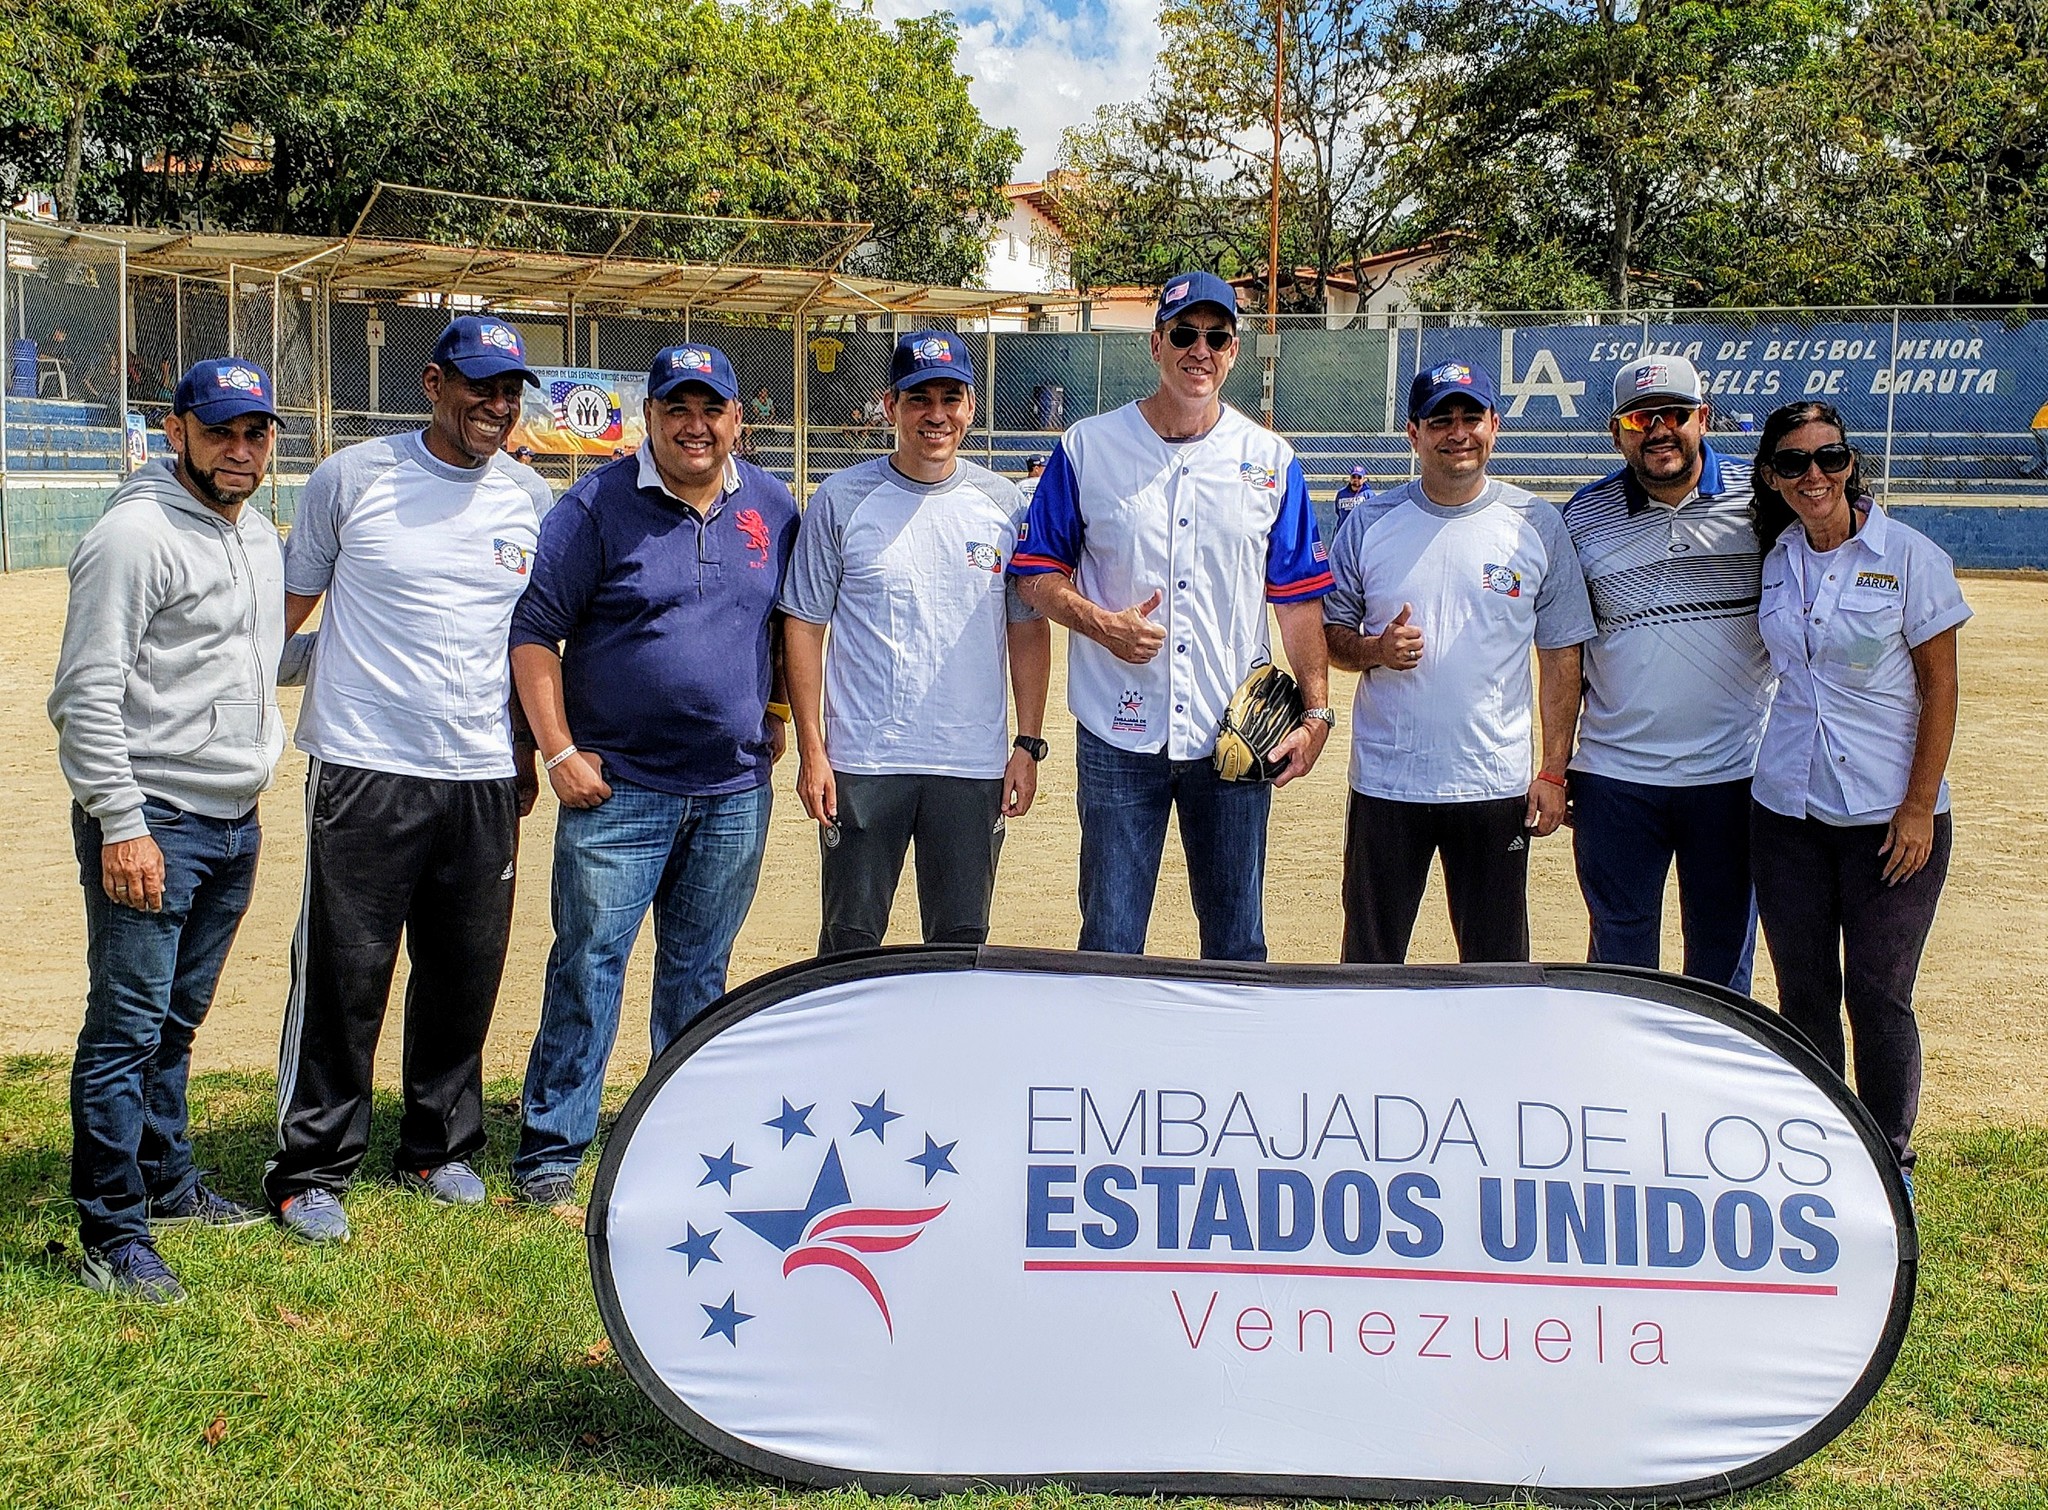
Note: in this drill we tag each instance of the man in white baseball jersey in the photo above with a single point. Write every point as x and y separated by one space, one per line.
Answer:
902 725
421 545
1443 585
1158 534
1677 683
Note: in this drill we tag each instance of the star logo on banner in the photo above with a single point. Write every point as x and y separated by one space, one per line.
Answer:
794 1122
725 1320
875 1118
829 1229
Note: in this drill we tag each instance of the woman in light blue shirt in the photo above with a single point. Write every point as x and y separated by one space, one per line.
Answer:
1850 827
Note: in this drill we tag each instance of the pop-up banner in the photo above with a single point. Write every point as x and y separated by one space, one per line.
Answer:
930 1218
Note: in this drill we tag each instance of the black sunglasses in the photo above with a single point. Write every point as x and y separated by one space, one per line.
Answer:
1216 338
1792 465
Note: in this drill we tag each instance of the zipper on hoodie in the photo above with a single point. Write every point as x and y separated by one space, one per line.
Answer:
249 621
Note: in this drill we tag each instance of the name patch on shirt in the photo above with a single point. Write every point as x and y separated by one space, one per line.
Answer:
1878 581
511 555
984 557
1504 580
1257 476
1130 713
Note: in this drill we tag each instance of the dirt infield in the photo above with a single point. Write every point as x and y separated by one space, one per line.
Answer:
1979 996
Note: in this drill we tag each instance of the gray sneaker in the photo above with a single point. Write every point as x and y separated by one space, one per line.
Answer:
133 1270
451 1184
203 1207
315 1215
545 1187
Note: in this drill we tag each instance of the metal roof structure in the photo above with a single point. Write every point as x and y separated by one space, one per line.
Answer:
527 254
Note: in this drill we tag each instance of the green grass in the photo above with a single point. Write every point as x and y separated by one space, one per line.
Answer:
445 1357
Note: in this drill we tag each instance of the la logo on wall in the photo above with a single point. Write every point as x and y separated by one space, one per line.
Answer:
936 1218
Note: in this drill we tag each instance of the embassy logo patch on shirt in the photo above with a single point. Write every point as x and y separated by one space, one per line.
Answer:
1504 580
515 558
1878 581
1256 476
984 557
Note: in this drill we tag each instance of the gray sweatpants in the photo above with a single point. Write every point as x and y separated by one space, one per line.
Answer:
958 825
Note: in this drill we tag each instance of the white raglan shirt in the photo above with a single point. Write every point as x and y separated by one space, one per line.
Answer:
421 563
1487 582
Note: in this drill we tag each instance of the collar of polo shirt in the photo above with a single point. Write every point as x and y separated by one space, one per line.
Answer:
650 474
1710 484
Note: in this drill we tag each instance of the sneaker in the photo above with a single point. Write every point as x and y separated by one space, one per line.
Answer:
203 1207
451 1184
546 1187
134 1270
315 1215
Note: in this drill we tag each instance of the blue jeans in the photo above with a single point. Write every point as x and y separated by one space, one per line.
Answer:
1124 800
696 862
1624 837
152 976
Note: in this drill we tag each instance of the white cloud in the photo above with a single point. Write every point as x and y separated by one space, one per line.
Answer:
1038 72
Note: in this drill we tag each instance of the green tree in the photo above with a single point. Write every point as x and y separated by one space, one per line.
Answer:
1182 177
801 109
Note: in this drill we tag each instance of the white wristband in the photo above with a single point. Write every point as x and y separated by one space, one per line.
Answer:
554 760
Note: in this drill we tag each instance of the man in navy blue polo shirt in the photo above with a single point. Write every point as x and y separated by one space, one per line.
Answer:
646 654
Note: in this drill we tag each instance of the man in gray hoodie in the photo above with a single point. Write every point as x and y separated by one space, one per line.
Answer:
167 731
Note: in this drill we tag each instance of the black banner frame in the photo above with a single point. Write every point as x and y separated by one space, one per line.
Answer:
1717 1003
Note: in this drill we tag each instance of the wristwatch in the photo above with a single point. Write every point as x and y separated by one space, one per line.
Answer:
1325 716
1032 745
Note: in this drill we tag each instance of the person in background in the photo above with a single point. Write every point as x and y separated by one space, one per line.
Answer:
1677 683
1354 492
1034 468
1849 831
167 732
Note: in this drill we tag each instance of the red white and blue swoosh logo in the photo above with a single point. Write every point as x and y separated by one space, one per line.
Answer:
830 1230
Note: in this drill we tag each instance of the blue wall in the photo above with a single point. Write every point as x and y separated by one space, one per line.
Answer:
44 518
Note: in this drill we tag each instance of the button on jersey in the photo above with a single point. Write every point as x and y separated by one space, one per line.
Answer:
1218 526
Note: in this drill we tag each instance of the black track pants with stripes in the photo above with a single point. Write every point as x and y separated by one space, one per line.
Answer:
388 855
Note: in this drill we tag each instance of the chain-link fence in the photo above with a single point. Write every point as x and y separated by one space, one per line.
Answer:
1949 405
64 401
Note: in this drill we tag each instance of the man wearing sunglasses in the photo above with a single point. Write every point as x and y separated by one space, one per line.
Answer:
1677 683
1158 534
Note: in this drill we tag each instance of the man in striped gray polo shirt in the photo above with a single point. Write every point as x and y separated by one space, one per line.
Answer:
1676 683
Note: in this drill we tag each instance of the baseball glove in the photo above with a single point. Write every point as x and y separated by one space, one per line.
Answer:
1264 710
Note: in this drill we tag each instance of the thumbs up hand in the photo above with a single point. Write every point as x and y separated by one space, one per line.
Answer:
1131 635
1400 643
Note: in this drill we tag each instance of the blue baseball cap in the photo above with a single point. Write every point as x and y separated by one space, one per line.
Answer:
478 346
923 355
221 389
1183 291
1449 380
676 365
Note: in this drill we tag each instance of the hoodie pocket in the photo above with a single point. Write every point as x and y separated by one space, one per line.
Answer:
229 725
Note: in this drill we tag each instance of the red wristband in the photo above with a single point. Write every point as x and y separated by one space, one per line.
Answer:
1550 776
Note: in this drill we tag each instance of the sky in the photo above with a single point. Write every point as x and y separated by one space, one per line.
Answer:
1040 66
